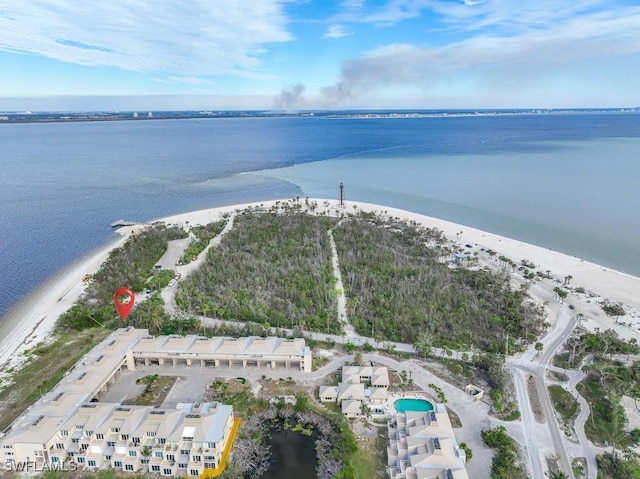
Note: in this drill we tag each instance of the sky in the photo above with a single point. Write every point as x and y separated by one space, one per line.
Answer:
318 54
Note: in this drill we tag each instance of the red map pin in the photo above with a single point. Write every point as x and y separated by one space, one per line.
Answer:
124 300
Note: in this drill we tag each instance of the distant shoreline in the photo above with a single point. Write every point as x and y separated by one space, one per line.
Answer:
34 318
14 117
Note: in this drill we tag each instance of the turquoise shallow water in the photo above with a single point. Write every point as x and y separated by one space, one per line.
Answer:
571 196
404 405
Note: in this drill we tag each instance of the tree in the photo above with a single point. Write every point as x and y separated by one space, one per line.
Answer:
424 343
539 346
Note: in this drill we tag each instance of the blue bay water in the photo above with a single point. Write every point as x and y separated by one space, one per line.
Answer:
568 181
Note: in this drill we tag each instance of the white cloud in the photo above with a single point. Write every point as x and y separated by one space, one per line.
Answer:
353 3
335 31
185 38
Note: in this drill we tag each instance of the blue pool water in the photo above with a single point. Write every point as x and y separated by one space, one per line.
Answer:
403 405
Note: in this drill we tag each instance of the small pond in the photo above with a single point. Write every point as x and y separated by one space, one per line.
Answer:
293 455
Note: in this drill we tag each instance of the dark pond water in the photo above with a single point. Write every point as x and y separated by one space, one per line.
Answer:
293 455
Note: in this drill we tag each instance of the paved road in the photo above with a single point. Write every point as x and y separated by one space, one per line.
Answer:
525 363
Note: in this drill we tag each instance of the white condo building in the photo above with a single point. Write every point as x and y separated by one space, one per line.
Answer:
66 426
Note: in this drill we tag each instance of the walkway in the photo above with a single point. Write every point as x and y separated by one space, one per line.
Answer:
343 318
169 293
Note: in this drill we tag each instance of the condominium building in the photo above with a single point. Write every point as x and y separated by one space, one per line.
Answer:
67 427
422 446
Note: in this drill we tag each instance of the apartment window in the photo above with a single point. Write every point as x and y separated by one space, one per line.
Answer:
128 467
182 466
197 458
158 454
79 426
88 433
133 453
144 461
184 452
170 457
80 460
124 437
55 459
161 441
64 433
209 465
85 447
166 471
111 443
108 458
99 436
155 468
75 440
117 463
59 445
194 472
136 440
115 429
91 463
151 434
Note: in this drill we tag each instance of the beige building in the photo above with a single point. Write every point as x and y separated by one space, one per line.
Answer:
422 446
216 352
66 429
360 385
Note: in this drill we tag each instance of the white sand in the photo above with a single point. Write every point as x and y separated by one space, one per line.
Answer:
34 319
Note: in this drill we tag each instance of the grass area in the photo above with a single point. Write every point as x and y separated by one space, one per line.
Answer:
156 391
234 392
559 376
368 462
454 418
578 466
597 426
45 367
564 403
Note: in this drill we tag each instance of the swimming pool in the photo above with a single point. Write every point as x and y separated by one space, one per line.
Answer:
407 404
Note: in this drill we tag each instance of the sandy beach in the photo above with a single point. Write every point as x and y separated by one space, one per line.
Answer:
34 318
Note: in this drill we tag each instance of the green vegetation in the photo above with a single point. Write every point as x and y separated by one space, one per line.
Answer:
627 467
504 464
270 268
467 450
397 288
613 309
581 343
607 381
204 235
131 265
564 403
159 279
157 388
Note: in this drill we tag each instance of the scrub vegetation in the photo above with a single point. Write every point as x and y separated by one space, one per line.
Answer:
270 268
131 266
397 288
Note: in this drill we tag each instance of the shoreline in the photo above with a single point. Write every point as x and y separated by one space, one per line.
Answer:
33 319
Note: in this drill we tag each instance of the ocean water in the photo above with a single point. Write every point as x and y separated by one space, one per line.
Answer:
565 181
